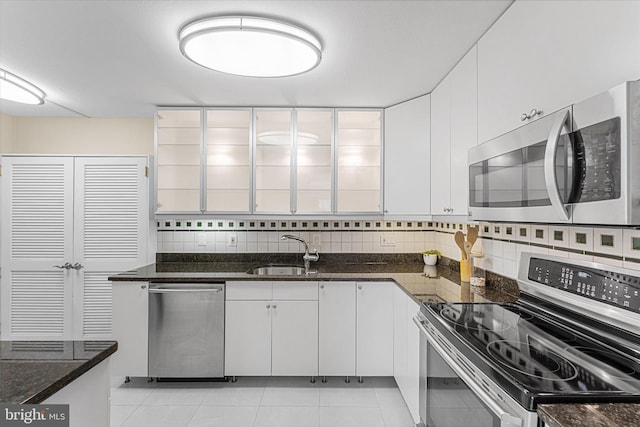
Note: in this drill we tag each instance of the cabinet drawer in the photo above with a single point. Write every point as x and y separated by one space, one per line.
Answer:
295 290
250 290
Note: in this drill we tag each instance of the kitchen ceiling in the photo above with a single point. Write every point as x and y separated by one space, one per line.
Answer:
120 58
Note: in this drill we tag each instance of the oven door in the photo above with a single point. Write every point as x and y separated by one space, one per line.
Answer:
452 394
524 175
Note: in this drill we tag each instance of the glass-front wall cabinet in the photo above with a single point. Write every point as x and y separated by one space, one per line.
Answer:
359 175
273 161
228 161
179 136
269 161
314 161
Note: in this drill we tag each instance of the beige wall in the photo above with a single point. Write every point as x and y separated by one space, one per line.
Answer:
74 135
7 133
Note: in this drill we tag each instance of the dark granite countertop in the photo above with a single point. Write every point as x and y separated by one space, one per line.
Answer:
32 371
423 283
590 414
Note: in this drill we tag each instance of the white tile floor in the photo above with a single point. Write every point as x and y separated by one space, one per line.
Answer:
259 401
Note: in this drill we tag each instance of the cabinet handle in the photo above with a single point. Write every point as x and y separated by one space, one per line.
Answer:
274 306
321 286
359 286
268 306
534 112
143 287
524 117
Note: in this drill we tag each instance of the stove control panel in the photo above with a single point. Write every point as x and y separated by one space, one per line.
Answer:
613 288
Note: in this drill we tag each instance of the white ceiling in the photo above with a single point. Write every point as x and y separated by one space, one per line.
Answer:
120 58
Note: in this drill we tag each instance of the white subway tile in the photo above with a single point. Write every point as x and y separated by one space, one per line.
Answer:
509 251
510 269
558 253
497 249
580 257
178 236
631 265
608 261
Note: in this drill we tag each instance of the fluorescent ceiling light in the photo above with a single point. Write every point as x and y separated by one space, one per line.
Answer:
250 46
284 138
14 88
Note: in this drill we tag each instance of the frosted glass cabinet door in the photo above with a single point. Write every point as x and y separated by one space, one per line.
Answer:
314 160
359 161
178 160
228 139
273 161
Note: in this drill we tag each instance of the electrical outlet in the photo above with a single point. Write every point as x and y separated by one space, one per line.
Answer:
202 239
232 240
387 240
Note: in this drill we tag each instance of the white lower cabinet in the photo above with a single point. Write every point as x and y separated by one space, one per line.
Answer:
294 338
374 328
248 338
337 329
274 335
130 327
406 347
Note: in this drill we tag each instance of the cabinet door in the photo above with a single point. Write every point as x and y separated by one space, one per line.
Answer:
441 148
374 334
314 161
228 160
406 158
464 128
274 141
543 55
400 339
130 328
412 379
37 234
359 160
247 338
337 329
110 235
178 160
294 338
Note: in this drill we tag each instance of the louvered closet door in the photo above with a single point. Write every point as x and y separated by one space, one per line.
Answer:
37 233
111 217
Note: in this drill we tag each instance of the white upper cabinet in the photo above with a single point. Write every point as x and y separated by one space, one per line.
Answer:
274 142
359 160
314 161
228 160
454 122
268 161
548 55
178 154
406 158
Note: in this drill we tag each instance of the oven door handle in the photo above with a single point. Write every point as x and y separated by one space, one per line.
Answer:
550 178
506 419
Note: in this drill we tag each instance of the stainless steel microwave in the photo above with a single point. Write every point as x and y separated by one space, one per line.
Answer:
578 165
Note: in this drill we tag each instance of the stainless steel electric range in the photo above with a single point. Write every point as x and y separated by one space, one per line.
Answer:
573 336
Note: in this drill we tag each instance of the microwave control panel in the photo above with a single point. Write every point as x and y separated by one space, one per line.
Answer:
622 290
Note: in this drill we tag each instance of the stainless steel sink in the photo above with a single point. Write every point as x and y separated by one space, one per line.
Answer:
278 270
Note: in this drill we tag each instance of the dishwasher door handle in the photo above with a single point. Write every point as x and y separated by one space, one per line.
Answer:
173 290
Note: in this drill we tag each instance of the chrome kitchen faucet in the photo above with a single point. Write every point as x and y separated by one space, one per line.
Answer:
307 257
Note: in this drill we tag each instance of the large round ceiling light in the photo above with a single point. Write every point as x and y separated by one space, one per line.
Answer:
17 89
250 46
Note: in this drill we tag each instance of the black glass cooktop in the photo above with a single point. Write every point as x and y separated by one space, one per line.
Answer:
536 357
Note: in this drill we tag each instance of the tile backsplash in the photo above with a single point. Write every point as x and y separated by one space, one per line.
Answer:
500 243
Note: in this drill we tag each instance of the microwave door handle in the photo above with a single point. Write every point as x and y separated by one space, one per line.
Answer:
550 178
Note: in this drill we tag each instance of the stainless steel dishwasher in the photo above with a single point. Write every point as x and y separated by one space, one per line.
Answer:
186 330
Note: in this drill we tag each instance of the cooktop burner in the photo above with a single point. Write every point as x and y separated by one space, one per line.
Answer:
534 354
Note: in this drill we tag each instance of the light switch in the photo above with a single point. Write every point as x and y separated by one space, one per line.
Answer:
232 240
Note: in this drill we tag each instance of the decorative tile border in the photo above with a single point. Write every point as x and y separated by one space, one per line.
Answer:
298 225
